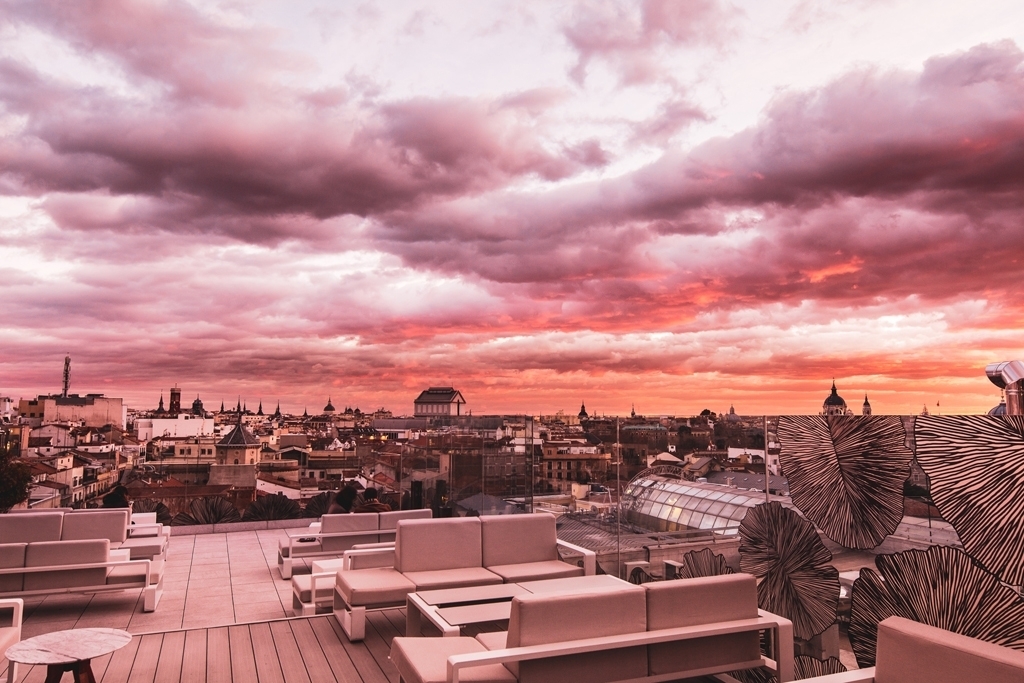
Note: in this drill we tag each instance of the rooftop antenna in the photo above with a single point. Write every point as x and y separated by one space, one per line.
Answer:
67 375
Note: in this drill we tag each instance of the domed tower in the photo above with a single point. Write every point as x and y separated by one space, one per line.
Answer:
583 412
197 407
160 409
866 408
329 408
834 403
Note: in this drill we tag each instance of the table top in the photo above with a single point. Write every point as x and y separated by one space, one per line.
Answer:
65 647
572 585
489 593
476 614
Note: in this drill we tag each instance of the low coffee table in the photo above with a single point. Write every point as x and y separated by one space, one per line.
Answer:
451 608
70 651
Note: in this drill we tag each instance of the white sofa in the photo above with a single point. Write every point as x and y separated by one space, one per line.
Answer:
658 632
10 632
80 525
339 533
909 652
75 566
451 553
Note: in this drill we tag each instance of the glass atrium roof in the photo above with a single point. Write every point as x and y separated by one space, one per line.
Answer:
663 504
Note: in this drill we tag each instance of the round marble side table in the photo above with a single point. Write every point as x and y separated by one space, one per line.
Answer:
70 651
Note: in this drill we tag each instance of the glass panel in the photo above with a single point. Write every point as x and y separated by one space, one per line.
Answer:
704 505
721 522
666 510
728 497
656 509
672 499
674 514
715 508
684 517
695 520
715 495
707 522
645 509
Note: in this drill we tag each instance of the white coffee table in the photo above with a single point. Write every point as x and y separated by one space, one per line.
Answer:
70 651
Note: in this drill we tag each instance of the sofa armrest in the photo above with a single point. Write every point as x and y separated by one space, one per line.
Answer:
856 676
589 556
86 565
783 643
17 605
383 556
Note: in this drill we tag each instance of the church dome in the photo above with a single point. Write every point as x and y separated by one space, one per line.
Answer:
329 408
834 403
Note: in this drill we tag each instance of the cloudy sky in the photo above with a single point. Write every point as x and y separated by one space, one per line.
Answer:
674 204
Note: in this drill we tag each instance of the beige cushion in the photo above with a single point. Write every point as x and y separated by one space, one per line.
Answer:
30 527
302 585
536 571
516 539
144 548
52 553
336 524
378 586
423 545
493 640
425 660
12 555
300 548
389 520
452 578
549 618
705 600
109 524
909 652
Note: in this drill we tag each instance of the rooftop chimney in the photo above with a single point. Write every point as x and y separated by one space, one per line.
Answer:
1009 376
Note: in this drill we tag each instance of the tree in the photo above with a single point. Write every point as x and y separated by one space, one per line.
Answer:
15 477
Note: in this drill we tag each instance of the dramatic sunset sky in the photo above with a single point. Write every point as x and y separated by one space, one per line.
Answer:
674 204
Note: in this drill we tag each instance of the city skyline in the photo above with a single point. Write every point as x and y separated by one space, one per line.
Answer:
677 206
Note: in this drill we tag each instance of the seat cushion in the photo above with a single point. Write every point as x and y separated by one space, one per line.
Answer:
425 660
517 539
302 585
423 545
909 652
109 524
299 547
378 586
144 548
536 571
542 618
12 556
704 600
493 640
30 527
133 573
452 578
53 553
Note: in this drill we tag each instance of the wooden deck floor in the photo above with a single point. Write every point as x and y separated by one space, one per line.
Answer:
312 650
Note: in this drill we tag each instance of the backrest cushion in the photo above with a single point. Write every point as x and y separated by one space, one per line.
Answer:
514 539
336 524
109 524
551 618
54 553
909 652
704 600
389 520
12 555
423 545
30 527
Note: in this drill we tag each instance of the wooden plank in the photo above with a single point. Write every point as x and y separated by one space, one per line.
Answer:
146 659
120 664
397 619
313 655
268 668
288 654
379 644
341 664
99 666
218 656
168 669
364 662
243 662
193 665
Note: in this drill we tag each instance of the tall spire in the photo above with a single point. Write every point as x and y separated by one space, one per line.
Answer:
222 405
259 411
160 408
277 413
238 409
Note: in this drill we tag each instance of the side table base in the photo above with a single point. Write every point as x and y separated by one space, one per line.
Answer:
81 670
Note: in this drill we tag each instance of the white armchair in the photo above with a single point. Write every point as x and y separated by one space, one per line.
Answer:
10 633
